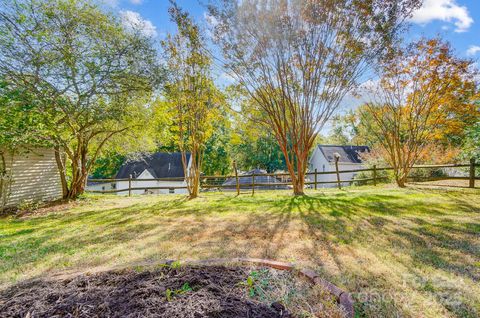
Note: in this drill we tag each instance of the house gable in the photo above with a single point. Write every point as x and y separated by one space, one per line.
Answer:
146 174
348 154
318 161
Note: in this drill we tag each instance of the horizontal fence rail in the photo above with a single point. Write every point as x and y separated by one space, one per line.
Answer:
216 182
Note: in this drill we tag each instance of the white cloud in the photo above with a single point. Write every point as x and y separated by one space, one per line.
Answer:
211 20
136 1
444 10
134 20
473 50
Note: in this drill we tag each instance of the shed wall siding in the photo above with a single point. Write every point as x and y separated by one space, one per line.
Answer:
35 177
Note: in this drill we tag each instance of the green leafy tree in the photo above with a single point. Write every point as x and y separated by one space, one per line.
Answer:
217 156
107 165
252 144
256 148
471 146
84 70
21 122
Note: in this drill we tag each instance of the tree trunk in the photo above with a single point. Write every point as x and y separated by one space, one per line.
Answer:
62 172
3 181
195 185
192 173
298 176
401 182
401 178
298 186
79 174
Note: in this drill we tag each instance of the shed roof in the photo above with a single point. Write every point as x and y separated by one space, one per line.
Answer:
260 177
348 154
159 164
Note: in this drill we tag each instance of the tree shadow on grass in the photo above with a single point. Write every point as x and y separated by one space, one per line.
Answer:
312 229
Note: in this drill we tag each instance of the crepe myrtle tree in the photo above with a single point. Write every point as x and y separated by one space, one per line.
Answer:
298 58
84 70
191 92
423 91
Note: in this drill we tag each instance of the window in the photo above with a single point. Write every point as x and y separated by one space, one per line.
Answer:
171 190
323 168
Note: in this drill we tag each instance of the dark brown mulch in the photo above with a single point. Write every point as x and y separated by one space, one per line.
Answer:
212 291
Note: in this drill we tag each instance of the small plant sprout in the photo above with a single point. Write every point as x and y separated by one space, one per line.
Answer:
184 289
175 265
168 294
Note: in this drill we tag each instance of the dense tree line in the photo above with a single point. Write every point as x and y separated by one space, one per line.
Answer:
72 77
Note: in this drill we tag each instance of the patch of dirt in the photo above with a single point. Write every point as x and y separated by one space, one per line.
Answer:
190 291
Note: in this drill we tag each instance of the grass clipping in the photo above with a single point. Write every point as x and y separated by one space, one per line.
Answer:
300 297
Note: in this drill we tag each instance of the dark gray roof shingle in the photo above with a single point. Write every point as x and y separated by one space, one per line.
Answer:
348 154
159 164
260 177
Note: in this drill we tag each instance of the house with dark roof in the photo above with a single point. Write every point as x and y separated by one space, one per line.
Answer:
160 165
323 159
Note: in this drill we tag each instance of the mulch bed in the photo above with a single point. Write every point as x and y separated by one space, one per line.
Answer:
208 291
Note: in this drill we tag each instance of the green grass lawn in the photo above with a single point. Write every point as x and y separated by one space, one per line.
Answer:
402 252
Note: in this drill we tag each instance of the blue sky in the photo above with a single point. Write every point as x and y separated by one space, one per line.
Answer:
457 21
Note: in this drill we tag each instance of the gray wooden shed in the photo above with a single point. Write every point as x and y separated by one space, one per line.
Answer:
29 176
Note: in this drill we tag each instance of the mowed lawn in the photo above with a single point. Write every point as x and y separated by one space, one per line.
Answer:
402 252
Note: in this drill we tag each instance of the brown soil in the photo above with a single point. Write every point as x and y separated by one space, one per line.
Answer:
209 291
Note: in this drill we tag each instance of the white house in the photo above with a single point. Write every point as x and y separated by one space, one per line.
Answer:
159 165
28 176
323 159
100 186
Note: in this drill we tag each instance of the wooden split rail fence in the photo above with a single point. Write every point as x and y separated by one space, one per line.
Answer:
216 182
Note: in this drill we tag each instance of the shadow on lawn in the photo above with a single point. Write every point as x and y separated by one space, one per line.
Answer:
315 230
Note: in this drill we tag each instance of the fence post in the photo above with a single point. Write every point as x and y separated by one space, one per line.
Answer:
315 178
236 177
472 173
337 157
375 175
253 184
130 185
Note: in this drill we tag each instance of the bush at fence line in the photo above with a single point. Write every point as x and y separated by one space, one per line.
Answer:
383 176
370 159
422 174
